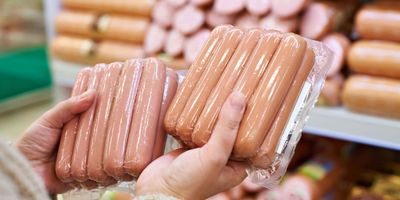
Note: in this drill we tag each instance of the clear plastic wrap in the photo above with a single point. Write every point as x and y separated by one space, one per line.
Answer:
280 87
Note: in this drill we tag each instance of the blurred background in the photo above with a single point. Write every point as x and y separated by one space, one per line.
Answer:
350 145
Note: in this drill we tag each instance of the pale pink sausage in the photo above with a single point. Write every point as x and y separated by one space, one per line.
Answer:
280 24
176 3
171 83
105 98
258 63
339 44
121 118
194 44
206 83
196 70
214 19
226 82
331 92
67 141
174 43
269 95
288 8
266 153
258 7
189 19
163 13
228 7
247 21
81 149
155 39
142 136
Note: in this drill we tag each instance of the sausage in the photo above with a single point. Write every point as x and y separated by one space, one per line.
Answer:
201 2
196 70
223 88
320 18
379 22
67 141
174 43
378 58
214 19
258 7
81 148
258 62
189 19
176 3
266 153
228 7
174 63
133 7
171 83
194 44
372 95
110 51
142 135
247 21
121 118
206 83
75 22
339 44
288 8
126 29
330 93
155 39
106 88
163 13
269 95
73 49
280 24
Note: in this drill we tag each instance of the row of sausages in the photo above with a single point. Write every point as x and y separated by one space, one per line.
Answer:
256 63
122 132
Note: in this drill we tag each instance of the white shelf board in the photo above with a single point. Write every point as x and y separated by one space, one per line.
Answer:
341 124
327 122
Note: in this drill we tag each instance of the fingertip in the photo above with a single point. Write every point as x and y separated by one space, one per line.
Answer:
237 101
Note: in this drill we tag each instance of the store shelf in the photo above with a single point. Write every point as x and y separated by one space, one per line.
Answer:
64 73
341 124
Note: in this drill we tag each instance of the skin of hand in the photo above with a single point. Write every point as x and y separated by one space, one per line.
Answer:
202 172
40 141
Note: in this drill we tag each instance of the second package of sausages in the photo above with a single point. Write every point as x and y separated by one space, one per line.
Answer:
122 131
280 74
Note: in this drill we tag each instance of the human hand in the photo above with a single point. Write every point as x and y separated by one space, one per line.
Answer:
202 172
40 141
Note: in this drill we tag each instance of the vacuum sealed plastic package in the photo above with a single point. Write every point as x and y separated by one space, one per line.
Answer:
122 132
280 74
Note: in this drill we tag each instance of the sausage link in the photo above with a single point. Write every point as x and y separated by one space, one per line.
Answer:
372 95
67 141
206 83
266 153
163 13
139 150
171 83
81 149
189 19
105 99
224 87
269 95
121 118
288 8
185 89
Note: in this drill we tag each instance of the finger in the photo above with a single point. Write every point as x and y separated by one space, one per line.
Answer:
66 110
219 147
233 174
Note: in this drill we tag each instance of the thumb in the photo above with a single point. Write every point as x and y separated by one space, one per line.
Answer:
220 145
68 109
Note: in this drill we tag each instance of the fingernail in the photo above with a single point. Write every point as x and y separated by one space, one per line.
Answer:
86 95
237 100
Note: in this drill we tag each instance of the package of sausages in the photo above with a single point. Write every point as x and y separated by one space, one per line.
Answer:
280 74
122 132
